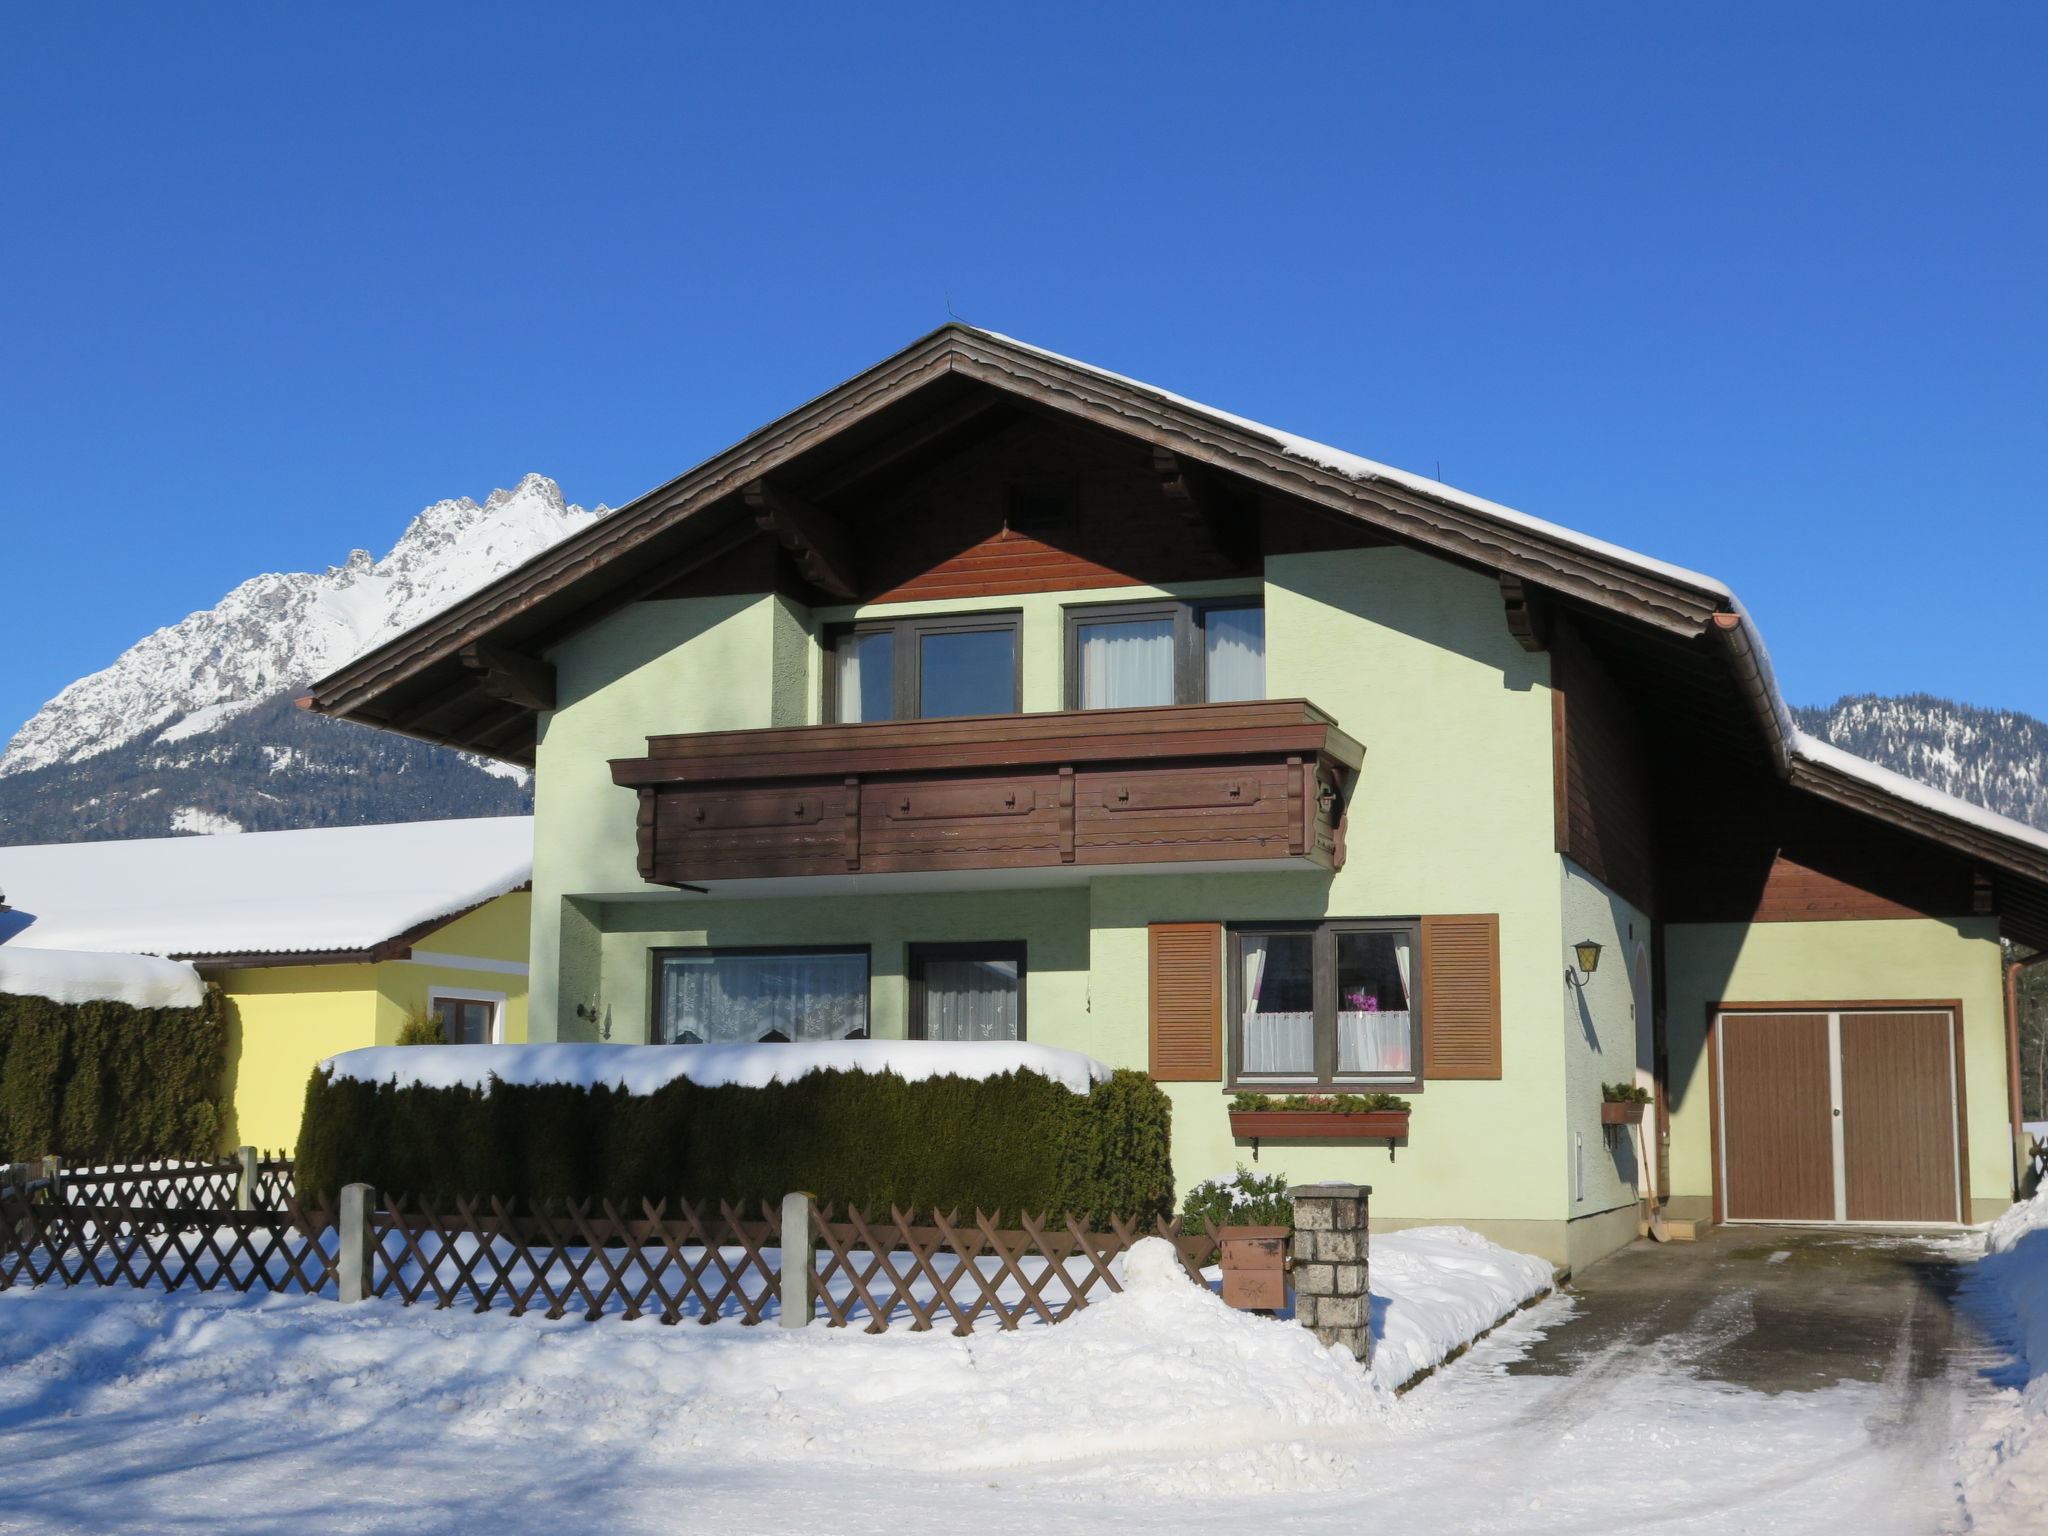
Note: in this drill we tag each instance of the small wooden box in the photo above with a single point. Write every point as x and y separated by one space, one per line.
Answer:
1254 1267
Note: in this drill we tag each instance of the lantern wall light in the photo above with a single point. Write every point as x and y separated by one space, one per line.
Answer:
1588 955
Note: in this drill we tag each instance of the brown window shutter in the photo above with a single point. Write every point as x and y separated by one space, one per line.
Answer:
1187 1002
1461 996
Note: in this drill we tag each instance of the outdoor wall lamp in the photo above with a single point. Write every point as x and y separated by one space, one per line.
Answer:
1589 962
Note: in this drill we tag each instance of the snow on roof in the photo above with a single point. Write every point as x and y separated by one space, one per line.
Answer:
645 1068
1357 467
326 888
1827 755
69 976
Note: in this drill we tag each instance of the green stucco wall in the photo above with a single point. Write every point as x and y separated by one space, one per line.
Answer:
1893 960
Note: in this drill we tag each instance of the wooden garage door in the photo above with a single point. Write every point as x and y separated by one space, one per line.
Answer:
1777 1143
1838 1115
1899 1117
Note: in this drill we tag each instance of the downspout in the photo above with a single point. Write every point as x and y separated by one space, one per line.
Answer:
2021 1160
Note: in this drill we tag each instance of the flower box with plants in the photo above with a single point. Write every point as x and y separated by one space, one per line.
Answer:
1260 1115
1622 1103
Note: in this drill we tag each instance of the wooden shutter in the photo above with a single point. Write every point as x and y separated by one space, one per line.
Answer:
1461 996
1187 1002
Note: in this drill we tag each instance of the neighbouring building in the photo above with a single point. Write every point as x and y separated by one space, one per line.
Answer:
991 695
320 940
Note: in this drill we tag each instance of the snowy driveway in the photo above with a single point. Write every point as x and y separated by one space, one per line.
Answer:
1633 1407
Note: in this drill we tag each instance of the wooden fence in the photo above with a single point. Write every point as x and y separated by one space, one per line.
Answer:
668 1260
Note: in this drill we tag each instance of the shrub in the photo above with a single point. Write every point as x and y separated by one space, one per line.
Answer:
1624 1093
1248 1200
1334 1103
419 1031
101 1082
1010 1143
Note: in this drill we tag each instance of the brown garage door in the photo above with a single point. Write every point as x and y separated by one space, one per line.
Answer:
1838 1115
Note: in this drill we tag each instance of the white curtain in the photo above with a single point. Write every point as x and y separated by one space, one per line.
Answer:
1126 665
1273 1042
1375 1039
1236 639
849 682
970 1000
734 998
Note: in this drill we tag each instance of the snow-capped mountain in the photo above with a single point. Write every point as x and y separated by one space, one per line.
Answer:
1996 758
184 732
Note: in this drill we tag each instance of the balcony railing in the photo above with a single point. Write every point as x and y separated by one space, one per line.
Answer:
1176 784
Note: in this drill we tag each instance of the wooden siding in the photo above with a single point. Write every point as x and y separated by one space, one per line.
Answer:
1604 822
1186 1008
945 535
1461 996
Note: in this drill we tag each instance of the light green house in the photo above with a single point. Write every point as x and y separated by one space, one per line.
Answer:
991 695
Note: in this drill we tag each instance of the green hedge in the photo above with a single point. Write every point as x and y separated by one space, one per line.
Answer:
1010 1143
103 1082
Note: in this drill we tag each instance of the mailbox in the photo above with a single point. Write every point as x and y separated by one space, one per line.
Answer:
1255 1267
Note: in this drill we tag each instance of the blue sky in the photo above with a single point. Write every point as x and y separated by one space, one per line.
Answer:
1758 289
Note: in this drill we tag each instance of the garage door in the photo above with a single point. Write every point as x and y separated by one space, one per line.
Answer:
1837 1115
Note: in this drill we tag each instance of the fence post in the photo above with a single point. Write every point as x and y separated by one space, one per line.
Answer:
1332 1297
797 1281
354 1259
245 1178
53 1166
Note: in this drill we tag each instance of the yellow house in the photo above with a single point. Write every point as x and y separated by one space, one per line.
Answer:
322 940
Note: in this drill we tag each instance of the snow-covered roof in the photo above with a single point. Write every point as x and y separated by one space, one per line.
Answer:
321 890
1813 750
73 976
1355 466
645 1068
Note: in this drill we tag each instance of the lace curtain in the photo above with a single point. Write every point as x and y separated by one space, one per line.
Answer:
970 999
1236 640
717 999
1274 1042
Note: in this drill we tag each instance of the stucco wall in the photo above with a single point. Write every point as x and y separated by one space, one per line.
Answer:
1600 1040
283 1019
1897 960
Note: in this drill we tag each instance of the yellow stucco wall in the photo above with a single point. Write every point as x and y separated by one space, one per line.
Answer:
1892 960
285 1019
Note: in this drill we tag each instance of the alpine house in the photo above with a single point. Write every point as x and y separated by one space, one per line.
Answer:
991 696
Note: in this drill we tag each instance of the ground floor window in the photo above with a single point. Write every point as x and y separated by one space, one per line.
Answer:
735 996
464 1020
967 991
1324 1004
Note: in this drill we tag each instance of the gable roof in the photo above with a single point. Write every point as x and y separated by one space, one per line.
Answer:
325 894
1704 647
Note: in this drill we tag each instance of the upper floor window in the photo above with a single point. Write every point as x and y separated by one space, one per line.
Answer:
1123 655
924 668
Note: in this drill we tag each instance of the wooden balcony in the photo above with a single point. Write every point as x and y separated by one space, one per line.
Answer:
1178 784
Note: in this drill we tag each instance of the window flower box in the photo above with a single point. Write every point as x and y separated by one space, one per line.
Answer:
1258 1124
1621 1114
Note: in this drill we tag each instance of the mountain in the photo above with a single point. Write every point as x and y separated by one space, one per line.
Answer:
192 728
1996 758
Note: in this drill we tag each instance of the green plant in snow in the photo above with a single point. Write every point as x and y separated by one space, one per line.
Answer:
1247 1200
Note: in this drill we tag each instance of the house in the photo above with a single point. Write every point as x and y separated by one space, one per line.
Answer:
992 695
320 940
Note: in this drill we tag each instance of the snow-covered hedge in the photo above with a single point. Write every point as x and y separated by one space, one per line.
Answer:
1007 1140
105 1081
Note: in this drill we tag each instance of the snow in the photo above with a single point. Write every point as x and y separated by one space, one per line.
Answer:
2007 1471
1356 467
1441 1287
282 630
646 1068
1925 796
325 888
189 818
1157 1411
72 976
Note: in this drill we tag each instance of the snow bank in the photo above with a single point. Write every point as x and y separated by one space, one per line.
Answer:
2006 1463
73 976
1436 1289
645 1068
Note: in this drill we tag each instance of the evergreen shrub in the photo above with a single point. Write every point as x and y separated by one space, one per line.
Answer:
1010 1143
106 1082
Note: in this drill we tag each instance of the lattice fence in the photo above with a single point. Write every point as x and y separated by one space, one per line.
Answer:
670 1261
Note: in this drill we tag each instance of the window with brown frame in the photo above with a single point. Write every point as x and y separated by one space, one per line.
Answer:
1128 655
1325 1005
924 668
972 991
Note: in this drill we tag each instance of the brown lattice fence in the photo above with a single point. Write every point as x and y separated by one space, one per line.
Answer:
667 1261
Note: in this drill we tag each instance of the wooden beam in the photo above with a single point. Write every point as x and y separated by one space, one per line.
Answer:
1528 614
901 445
814 536
511 675
1205 508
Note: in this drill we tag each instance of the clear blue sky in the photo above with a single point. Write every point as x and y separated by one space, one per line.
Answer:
1758 289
